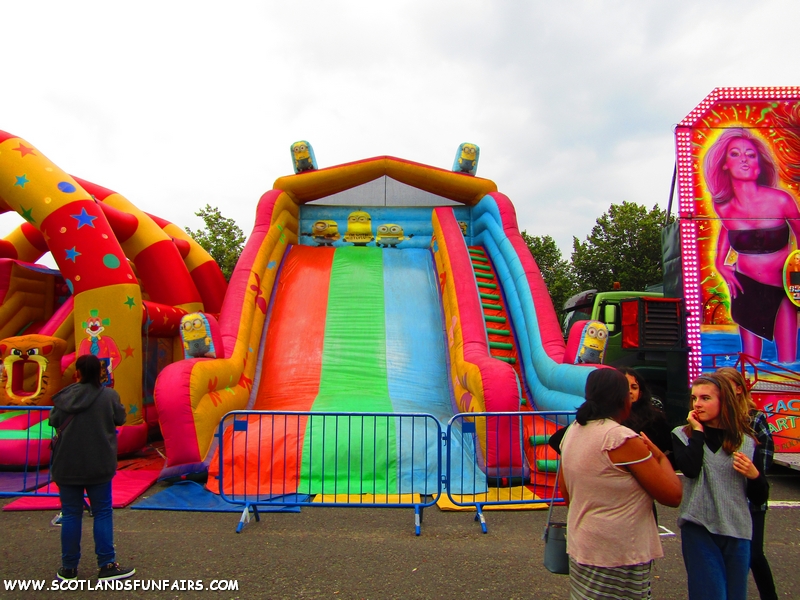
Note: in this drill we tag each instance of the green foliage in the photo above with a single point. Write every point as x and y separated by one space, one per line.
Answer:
624 246
556 271
222 238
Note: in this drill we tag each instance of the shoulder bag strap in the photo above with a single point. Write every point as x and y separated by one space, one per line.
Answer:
553 499
66 422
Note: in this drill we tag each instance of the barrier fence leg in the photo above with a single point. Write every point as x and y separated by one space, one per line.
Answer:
417 519
479 516
245 518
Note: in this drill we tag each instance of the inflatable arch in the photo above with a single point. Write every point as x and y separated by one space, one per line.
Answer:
128 275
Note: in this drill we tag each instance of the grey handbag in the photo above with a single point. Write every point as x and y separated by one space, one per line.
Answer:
556 559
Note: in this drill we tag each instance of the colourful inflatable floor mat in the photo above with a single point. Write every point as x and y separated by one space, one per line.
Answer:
493 495
191 496
127 486
21 481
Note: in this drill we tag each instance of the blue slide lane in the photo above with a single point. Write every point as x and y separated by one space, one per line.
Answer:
416 364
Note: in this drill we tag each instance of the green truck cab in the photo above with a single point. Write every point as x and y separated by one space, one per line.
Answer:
646 332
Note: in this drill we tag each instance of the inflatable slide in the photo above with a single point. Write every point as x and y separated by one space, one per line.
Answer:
379 308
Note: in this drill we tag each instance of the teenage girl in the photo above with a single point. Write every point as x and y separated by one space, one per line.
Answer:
715 452
765 450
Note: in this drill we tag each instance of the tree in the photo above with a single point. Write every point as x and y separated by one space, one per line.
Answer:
222 238
624 246
557 272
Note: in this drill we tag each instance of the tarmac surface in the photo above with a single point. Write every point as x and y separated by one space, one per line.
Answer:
353 553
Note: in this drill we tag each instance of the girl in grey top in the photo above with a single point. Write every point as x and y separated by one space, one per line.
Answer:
715 452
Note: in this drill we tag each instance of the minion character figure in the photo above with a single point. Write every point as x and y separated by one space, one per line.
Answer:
593 343
325 232
463 226
196 336
359 228
390 235
467 159
303 157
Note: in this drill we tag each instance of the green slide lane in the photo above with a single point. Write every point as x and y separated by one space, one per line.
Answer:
353 379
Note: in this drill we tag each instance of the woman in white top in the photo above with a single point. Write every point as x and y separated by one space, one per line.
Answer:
609 477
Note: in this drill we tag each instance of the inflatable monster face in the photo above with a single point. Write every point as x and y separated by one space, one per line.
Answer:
31 369
593 343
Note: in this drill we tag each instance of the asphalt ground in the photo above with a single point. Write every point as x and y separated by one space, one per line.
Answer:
353 553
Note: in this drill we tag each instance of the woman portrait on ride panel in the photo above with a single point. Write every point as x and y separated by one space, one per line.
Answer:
757 221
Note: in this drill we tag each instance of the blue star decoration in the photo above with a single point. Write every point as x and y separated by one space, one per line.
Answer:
133 409
21 181
84 219
72 254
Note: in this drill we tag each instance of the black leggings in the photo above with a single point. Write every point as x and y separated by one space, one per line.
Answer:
758 562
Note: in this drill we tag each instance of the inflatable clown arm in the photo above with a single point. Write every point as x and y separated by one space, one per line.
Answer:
203 269
158 263
25 243
555 385
193 395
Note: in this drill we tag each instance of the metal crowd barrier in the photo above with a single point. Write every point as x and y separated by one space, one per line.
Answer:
502 458
384 460
283 458
25 451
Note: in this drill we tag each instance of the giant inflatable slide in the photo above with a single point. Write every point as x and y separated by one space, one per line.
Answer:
349 303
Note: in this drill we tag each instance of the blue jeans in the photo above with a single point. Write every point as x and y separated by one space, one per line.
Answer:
71 523
716 565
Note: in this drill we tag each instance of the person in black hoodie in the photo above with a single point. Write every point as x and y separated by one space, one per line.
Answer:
85 458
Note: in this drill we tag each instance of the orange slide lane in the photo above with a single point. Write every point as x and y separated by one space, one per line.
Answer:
289 381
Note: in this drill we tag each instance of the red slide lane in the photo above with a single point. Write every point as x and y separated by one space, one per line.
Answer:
293 355
290 378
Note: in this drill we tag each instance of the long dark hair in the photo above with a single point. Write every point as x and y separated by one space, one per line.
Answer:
643 412
606 396
89 367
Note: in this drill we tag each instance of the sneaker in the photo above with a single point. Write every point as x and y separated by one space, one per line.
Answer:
67 574
114 571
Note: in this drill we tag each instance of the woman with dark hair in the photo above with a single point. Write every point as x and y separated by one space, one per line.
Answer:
715 452
85 459
757 220
609 478
647 413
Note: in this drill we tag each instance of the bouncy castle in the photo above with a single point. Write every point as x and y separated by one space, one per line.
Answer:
124 281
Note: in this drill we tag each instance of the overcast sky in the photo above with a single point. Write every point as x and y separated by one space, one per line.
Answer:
178 104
